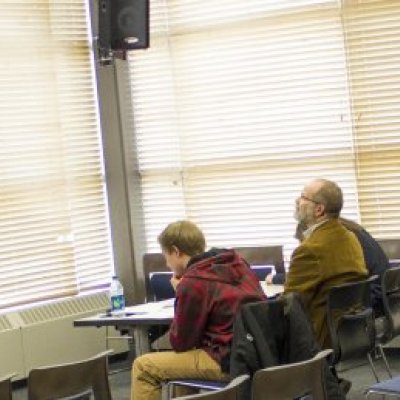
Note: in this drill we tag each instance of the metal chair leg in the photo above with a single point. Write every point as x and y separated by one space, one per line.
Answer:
385 361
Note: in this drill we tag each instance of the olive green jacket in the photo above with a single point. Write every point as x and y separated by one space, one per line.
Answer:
330 256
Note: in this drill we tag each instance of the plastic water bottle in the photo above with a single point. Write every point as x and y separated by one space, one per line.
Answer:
117 298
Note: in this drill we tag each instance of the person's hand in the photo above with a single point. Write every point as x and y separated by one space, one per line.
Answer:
268 279
175 281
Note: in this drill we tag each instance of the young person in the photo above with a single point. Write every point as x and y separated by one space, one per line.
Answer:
210 287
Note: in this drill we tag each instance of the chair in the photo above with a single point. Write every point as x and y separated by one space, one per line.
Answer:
261 271
301 380
232 391
156 277
391 303
71 380
6 387
391 306
350 319
160 285
263 256
388 326
390 387
391 247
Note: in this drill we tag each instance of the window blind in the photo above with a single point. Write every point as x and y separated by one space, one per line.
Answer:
235 108
54 231
372 38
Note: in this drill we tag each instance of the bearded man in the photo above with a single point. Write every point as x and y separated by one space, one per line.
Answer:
329 255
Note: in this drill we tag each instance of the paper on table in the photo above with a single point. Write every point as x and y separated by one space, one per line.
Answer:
151 307
271 290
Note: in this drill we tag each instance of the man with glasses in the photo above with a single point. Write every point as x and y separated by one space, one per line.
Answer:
329 254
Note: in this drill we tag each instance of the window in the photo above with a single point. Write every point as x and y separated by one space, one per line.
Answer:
54 231
372 32
237 106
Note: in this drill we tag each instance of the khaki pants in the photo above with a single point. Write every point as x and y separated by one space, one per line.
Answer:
150 370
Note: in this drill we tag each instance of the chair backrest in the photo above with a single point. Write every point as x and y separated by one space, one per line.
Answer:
67 380
232 391
350 319
6 387
305 379
264 255
391 302
160 286
391 248
153 263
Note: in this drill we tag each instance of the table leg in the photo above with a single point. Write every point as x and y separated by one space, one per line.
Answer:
141 338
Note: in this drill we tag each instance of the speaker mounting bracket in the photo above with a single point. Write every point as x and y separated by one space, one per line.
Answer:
105 56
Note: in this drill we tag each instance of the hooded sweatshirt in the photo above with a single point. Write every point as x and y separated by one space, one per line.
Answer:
208 297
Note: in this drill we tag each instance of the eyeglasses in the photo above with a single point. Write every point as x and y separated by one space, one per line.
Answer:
308 199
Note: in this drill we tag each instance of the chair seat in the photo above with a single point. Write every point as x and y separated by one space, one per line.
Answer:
390 386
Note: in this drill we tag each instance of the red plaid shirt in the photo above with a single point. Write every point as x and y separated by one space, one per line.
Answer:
208 296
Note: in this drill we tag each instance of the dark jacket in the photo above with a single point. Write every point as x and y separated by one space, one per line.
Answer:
273 333
375 259
213 287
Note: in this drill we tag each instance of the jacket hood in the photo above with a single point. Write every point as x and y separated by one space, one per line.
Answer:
222 265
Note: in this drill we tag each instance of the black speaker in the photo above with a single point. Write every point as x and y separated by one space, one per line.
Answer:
124 24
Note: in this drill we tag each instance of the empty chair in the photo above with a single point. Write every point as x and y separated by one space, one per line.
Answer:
6 387
391 306
350 319
261 271
389 324
160 285
263 256
391 303
154 266
70 380
391 248
390 387
232 391
305 379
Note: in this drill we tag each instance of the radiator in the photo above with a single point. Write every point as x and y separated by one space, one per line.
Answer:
11 354
45 335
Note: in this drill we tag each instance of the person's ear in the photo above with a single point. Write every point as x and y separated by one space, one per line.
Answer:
320 209
175 250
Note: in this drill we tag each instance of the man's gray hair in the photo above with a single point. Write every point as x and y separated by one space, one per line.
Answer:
331 196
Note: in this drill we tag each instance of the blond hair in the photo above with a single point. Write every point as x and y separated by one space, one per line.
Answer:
185 235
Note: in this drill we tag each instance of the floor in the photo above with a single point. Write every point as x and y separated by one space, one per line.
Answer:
360 376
